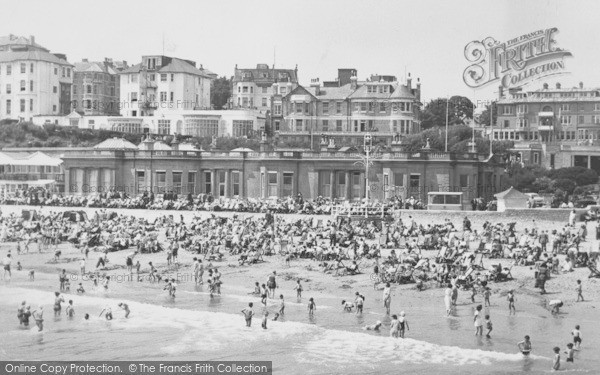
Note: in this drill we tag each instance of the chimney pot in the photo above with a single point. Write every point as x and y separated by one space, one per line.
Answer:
545 86
580 85
32 39
558 85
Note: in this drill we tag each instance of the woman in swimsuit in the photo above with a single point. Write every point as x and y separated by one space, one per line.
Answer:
57 302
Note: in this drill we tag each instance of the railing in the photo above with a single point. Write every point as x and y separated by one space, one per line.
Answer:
32 176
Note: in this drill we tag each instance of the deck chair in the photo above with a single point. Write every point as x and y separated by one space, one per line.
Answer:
478 262
505 274
594 273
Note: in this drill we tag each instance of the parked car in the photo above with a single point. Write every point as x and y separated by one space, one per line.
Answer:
583 203
536 200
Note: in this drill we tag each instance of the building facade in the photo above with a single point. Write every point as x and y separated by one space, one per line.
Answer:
96 87
154 166
256 88
162 84
554 127
33 81
346 109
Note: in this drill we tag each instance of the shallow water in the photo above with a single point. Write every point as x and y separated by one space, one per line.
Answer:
195 326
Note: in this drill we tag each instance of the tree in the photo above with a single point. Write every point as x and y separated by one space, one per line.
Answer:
220 92
579 175
460 109
484 117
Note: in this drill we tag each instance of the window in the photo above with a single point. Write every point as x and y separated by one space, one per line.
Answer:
506 123
536 158
283 90
54 89
398 179
161 181
338 107
565 120
338 125
8 88
23 68
68 72
277 125
8 106
201 127
272 184
172 96
395 126
565 107
382 107
596 119
288 184
163 96
299 125
522 108
163 77
415 182
22 105
581 119
31 104
522 122
277 109
23 85
264 89
235 182
242 128
140 177
363 107
264 102
30 85
597 107
325 125
31 68
245 89
298 107
506 110
164 127
54 108
208 182
172 77
325 108
177 185
191 182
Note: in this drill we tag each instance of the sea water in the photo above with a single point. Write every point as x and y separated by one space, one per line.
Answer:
195 326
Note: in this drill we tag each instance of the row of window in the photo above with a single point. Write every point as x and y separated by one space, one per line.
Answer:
29 169
199 127
563 120
175 186
22 106
95 89
524 108
397 126
127 127
534 135
66 71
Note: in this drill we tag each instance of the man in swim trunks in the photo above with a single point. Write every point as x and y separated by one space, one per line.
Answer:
525 346
57 301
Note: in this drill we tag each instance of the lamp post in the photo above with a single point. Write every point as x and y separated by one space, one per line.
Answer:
368 143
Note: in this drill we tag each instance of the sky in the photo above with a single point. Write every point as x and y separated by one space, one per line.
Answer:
425 38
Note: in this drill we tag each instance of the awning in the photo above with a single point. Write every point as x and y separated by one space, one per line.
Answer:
28 182
546 114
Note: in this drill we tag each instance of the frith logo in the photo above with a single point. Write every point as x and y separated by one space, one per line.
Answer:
516 62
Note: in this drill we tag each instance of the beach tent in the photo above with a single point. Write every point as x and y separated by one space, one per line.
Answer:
511 198
75 216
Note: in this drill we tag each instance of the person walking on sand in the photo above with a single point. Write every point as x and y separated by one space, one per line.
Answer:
579 291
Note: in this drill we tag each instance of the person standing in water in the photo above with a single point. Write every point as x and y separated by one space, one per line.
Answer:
281 305
70 311
387 298
448 299
312 306
248 314
478 321
394 326
57 301
125 307
403 324
38 315
556 361
525 346
21 311
298 289
272 284
511 302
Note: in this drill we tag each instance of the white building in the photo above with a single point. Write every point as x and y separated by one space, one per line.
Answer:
33 81
162 84
20 172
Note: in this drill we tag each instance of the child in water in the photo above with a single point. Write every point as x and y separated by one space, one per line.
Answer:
525 346
264 320
275 317
312 306
281 305
373 327
298 289
511 302
556 362
348 306
570 352
488 326
248 314
486 295
403 324
576 337
70 310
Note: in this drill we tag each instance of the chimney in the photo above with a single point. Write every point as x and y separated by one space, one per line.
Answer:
558 85
84 60
500 92
409 82
580 85
353 82
419 89
175 143
545 86
32 39
314 83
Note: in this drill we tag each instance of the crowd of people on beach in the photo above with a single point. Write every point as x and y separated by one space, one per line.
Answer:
337 246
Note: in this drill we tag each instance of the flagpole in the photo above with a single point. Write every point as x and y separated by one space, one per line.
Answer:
446 143
491 128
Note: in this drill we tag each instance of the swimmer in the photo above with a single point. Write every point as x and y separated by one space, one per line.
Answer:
348 306
70 310
373 327
387 298
359 301
26 315
125 307
108 315
486 296
38 315
105 282
525 346
511 302
248 314
263 294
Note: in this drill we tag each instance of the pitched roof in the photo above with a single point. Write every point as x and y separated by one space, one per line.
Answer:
339 93
265 74
36 159
174 66
93 66
11 40
115 144
398 91
10 56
